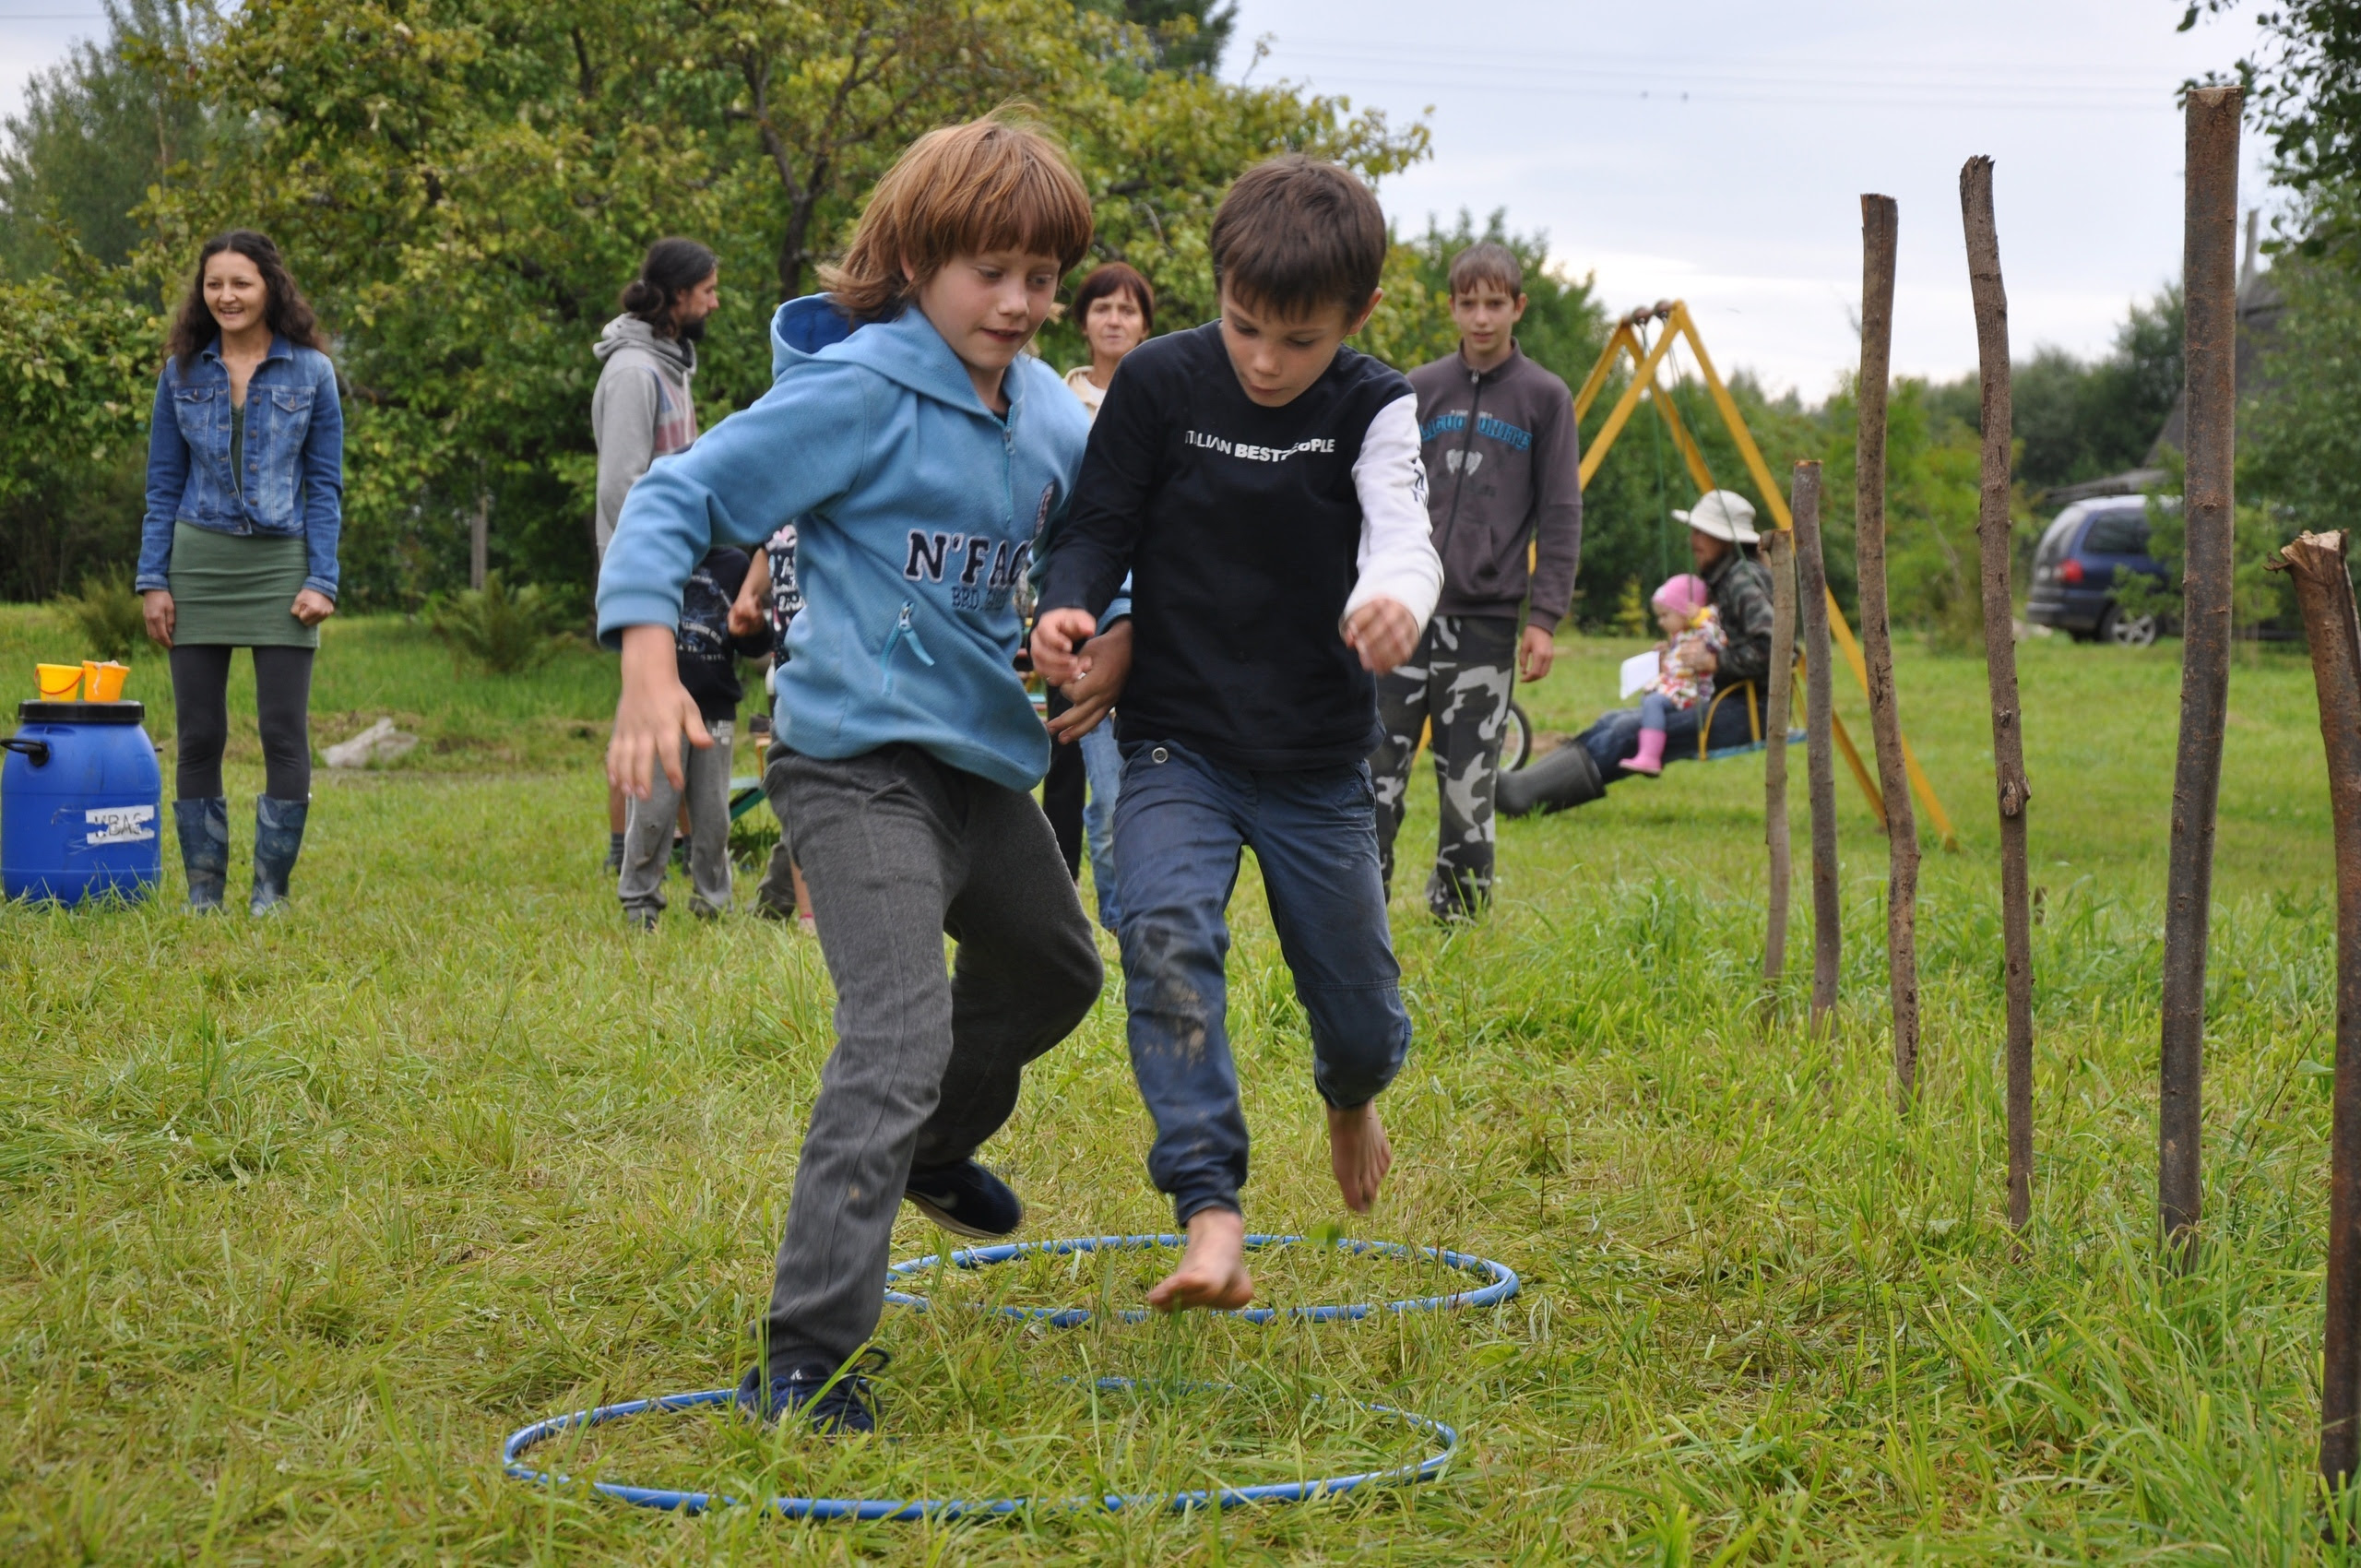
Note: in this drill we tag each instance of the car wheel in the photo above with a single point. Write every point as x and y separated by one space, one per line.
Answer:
2127 631
1516 740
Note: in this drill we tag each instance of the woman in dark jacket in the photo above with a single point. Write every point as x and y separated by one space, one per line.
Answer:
245 487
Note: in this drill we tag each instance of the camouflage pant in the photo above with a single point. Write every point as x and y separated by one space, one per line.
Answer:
1459 678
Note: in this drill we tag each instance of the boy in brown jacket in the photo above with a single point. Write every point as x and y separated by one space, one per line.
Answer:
1503 461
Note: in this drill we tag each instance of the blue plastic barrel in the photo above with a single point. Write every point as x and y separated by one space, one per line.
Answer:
80 804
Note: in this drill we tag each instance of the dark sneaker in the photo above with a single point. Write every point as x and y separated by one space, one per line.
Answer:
831 1400
966 1200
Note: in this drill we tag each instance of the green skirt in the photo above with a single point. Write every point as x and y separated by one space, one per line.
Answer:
238 589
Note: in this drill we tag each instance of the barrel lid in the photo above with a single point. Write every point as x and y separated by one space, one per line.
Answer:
31 711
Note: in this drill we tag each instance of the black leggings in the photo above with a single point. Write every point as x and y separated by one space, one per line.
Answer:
283 701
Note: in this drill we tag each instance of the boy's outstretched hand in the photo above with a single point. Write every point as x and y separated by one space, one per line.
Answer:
653 713
1383 632
1057 635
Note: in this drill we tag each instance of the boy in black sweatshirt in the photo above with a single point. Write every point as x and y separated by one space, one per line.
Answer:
1263 485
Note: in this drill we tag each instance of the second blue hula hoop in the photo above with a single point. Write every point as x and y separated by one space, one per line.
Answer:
512 1456
1502 1280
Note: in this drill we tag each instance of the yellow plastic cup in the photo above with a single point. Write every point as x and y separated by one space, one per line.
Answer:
59 683
102 681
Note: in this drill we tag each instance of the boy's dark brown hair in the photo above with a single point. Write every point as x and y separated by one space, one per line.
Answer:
1486 262
1295 234
1114 277
995 184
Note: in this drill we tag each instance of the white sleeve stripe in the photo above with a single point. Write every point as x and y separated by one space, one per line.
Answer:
1397 554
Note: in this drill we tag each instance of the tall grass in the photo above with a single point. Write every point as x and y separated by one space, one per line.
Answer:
302 1217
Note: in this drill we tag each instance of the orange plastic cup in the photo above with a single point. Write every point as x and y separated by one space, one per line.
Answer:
59 683
102 681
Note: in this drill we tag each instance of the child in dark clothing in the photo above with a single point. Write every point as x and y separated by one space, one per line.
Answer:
708 654
771 599
1262 484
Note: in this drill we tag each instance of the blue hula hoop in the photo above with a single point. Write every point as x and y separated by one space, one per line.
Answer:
512 1460
1503 1279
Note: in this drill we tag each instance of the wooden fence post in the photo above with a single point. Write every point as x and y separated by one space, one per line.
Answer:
479 541
1879 225
2209 274
2324 591
1820 755
1779 556
1992 533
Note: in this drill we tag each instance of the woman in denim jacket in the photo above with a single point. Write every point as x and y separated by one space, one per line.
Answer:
245 487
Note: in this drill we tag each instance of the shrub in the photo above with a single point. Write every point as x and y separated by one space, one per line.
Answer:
501 630
107 613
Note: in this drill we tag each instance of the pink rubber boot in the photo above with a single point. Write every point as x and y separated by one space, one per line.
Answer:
1650 759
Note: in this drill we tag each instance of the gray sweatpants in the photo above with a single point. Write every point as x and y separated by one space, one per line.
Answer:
647 836
898 849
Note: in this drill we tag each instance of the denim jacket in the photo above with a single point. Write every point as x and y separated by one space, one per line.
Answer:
294 459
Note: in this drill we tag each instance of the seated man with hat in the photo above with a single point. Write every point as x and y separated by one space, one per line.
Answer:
1721 527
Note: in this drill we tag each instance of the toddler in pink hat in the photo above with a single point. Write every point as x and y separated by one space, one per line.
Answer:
1689 655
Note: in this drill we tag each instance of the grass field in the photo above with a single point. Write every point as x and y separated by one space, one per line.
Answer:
297 1219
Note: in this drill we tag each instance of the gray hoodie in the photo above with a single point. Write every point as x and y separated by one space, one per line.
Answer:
641 412
1504 485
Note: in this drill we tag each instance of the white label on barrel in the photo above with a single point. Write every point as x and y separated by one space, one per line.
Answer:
120 825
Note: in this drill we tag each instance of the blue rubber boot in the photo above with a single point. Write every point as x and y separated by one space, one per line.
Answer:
279 838
204 828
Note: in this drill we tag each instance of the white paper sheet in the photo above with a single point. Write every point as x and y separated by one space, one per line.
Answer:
1640 672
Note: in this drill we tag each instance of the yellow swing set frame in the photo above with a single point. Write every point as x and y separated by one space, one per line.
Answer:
1626 342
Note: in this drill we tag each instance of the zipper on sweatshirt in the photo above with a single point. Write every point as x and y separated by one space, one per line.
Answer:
903 631
1466 445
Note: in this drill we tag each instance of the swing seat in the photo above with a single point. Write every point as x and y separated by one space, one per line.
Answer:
1754 742
745 794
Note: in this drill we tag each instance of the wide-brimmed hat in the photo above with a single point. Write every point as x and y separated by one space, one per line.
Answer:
1723 514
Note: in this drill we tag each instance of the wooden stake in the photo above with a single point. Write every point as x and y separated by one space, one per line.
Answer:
1819 760
2324 591
1779 557
2209 272
1879 225
1992 534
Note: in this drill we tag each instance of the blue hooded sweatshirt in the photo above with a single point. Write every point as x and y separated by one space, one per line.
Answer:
917 511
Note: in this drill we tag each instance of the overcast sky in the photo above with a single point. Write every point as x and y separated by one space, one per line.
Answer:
1714 149
1716 152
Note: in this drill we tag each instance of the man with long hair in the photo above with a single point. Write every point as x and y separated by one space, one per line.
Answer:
642 409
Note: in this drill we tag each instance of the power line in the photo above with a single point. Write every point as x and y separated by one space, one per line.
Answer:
1879 85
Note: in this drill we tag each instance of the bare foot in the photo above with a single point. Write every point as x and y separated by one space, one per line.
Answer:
1359 1154
1213 1269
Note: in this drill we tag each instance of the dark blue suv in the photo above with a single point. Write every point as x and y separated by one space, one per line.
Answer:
2074 567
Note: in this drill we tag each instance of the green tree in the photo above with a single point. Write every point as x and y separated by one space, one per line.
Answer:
463 188
2302 445
77 365
2305 83
2077 419
1190 35
98 131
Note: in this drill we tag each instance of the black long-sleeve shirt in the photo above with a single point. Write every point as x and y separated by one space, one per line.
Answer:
1251 533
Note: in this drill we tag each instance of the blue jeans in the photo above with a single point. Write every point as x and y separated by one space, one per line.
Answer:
1103 765
1180 824
1617 735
